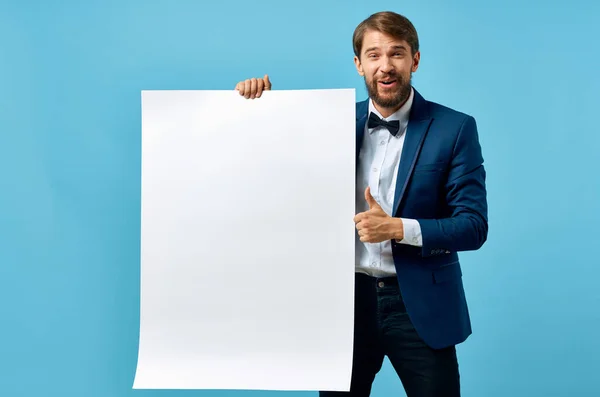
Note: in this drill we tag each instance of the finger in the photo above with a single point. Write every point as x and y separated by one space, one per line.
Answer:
259 87
361 221
253 88
247 88
267 82
240 87
362 227
361 216
369 198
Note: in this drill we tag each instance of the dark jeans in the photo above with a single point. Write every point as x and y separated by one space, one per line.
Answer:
383 328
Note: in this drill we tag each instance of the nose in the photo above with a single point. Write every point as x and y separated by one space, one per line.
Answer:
386 65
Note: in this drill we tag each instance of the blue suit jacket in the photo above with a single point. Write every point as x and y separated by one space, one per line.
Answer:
440 183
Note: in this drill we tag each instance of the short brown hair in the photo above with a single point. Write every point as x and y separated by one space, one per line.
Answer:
390 23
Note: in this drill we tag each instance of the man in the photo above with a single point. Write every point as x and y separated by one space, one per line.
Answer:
421 198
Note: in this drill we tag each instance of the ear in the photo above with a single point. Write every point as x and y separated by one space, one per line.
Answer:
416 60
358 65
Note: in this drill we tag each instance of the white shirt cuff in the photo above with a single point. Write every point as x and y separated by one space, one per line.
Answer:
412 233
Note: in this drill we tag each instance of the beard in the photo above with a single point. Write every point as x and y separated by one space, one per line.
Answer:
390 99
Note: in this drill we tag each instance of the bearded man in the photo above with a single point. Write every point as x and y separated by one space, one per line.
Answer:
420 200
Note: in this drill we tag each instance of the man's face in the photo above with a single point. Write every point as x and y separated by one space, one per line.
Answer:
387 65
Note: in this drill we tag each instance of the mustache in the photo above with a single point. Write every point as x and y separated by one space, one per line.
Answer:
388 76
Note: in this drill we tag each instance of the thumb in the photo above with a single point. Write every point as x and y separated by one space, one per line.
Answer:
370 200
267 82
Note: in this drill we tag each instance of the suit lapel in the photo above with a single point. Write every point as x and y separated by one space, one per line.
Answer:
418 125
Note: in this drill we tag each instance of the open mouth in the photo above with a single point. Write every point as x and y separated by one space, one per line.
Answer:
387 83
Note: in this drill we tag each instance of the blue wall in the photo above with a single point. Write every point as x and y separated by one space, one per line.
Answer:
70 81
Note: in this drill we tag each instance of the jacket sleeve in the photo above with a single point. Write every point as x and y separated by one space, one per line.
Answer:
467 226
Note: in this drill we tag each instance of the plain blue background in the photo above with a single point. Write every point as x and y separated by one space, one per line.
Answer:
70 81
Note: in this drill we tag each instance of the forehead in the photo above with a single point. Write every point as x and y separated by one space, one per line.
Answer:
375 39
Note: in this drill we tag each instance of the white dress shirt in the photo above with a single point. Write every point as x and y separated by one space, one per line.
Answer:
378 167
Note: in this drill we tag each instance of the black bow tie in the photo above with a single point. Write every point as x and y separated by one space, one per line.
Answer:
393 126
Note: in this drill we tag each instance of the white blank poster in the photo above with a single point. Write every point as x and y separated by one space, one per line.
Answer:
247 240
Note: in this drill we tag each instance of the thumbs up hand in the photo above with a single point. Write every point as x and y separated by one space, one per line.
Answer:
374 225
